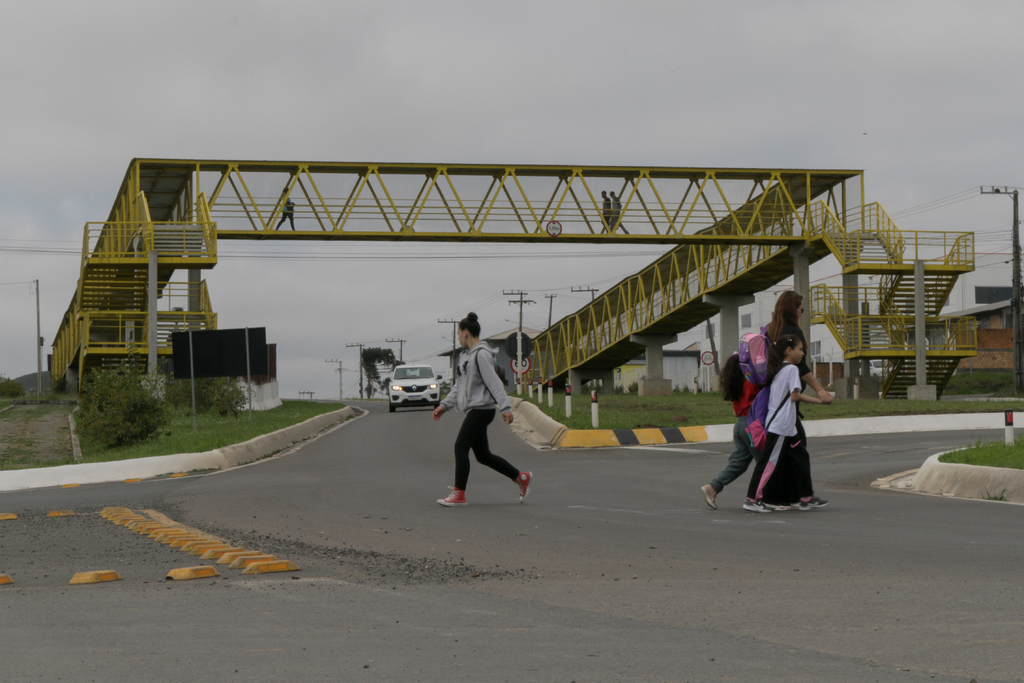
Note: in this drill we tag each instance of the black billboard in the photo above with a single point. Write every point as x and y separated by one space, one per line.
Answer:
220 353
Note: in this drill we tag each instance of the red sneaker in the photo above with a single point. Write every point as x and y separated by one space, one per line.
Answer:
523 481
456 498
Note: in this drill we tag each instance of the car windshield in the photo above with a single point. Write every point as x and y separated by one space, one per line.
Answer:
414 373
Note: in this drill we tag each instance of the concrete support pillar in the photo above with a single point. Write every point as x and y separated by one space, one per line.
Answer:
655 383
151 310
577 376
729 312
194 283
921 391
855 366
802 279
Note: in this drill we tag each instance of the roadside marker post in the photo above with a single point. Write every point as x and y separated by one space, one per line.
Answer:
593 409
551 393
540 391
568 400
1008 421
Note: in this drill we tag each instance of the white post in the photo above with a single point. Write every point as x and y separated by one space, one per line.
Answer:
568 400
529 383
540 391
593 409
551 394
1008 416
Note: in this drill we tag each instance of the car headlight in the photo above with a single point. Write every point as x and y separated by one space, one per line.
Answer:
396 388
433 386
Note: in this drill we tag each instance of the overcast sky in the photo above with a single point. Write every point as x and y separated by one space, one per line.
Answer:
923 96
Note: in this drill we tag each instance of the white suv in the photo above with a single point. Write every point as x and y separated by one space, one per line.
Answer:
413 385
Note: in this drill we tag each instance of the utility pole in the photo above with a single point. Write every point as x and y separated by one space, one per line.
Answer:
519 337
401 343
551 306
39 350
593 292
360 345
341 395
1018 358
454 324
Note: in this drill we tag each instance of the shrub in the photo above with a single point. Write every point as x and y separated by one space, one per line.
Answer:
10 389
120 407
219 393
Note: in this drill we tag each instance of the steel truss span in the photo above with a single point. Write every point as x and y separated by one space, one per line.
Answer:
482 202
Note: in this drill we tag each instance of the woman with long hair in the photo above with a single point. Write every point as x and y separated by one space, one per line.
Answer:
789 307
475 392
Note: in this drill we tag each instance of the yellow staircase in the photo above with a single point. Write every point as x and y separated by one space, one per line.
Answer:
881 323
667 297
108 318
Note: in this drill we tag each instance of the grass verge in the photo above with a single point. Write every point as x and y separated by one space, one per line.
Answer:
989 454
213 431
981 382
619 411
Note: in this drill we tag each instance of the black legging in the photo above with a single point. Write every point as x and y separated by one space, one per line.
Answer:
473 434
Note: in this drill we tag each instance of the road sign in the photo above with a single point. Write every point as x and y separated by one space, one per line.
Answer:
526 366
707 358
554 228
510 345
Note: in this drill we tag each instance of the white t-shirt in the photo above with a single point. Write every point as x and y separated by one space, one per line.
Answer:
788 379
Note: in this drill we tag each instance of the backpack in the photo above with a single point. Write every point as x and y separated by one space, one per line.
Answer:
753 355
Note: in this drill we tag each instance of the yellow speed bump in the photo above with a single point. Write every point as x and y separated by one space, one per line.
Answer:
68 486
203 572
5 579
8 515
217 553
179 474
228 558
94 577
144 526
182 540
164 530
271 566
124 520
106 512
204 545
132 481
168 536
61 513
246 560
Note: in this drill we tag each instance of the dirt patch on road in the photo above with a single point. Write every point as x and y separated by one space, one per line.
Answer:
35 436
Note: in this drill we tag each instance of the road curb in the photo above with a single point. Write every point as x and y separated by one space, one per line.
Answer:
557 435
969 481
157 465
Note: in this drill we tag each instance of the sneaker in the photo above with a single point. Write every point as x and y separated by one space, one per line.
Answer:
709 495
814 502
756 506
777 507
523 482
456 498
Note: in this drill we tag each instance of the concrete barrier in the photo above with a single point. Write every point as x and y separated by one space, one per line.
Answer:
154 466
969 481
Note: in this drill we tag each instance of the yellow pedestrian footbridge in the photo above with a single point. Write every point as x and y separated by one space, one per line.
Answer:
729 231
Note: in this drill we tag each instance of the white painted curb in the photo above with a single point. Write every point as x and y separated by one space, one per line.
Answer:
143 468
969 481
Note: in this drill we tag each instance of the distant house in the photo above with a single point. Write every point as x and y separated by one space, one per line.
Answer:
995 337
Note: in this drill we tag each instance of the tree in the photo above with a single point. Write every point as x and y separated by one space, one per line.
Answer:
374 360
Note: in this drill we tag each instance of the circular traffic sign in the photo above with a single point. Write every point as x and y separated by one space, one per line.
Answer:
554 228
707 358
525 369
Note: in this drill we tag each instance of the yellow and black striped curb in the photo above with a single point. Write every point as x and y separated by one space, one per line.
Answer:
596 438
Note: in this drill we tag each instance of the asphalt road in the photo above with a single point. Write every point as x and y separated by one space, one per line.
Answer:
613 570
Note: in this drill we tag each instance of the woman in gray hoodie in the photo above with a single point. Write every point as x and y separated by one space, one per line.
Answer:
476 391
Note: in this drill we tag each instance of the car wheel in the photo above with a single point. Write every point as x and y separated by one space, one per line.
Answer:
391 407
